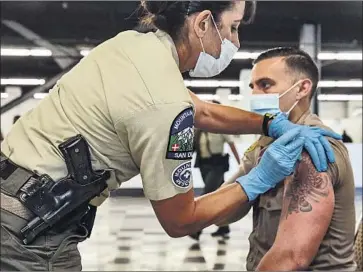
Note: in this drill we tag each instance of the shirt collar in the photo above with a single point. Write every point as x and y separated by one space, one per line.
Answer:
169 44
303 117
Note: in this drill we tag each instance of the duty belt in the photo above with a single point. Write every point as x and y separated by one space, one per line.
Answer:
12 179
53 203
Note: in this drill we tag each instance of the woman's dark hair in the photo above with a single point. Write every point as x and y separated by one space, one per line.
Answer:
16 117
170 16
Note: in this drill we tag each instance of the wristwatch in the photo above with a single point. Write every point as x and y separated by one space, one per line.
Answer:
267 118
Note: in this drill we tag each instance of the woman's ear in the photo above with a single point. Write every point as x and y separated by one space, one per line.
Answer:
202 23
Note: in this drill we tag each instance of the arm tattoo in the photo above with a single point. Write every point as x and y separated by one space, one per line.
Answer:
305 186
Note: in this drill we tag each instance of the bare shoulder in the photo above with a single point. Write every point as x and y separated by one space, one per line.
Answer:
306 187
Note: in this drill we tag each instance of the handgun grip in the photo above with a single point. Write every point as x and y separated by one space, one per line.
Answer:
78 159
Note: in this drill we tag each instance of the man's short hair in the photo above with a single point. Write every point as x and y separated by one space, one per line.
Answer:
296 60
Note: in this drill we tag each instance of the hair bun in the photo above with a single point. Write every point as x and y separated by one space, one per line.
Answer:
156 7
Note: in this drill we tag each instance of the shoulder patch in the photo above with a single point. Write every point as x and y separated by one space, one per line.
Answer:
252 147
182 175
181 135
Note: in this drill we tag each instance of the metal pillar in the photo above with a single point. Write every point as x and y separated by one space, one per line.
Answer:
246 92
223 94
244 89
310 42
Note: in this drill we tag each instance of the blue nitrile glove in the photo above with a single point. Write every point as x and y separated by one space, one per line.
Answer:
277 162
316 144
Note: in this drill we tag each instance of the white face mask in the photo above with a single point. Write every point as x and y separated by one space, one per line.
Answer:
209 66
270 103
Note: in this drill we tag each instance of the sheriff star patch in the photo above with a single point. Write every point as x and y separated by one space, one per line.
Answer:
180 145
182 175
251 148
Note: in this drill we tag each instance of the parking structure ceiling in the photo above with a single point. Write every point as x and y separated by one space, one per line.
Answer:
277 23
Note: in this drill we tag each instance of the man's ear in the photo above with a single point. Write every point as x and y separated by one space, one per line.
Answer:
306 88
202 23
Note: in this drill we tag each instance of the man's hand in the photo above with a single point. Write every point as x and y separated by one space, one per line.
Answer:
316 144
307 210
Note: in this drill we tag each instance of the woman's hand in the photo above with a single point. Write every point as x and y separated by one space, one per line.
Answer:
278 162
315 144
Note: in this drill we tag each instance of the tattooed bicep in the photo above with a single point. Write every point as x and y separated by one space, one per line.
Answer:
305 187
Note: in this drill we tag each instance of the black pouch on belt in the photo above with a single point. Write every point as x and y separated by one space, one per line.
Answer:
13 177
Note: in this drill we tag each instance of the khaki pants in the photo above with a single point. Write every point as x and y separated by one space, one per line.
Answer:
50 252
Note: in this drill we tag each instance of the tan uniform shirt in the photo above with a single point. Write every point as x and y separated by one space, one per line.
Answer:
129 101
336 250
216 143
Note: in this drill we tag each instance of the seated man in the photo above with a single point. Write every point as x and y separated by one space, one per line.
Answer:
307 221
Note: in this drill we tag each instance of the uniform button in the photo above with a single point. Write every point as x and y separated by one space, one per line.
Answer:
268 204
250 259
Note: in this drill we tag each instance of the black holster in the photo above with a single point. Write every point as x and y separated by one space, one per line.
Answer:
65 201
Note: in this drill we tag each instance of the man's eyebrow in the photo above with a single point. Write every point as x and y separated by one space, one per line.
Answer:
258 81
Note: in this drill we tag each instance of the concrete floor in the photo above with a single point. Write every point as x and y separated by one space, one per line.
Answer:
128 237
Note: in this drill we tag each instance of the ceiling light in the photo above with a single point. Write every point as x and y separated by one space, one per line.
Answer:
340 56
40 95
4 95
340 97
23 52
22 81
340 84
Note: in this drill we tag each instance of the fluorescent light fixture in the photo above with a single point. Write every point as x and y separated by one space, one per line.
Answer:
246 55
340 56
22 81
232 97
85 52
340 97
198 83
42 52
4 95
23 52
340 84
212 83
235 97
208 96
236 83
238 97
321 56
40 95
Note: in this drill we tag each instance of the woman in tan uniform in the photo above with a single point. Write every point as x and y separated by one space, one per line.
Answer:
128 101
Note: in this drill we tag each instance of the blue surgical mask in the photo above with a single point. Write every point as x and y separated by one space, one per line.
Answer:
270 103
209 66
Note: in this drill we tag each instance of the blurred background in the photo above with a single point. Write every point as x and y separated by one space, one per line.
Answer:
40 41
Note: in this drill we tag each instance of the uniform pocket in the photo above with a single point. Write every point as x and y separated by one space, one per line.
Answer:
13 249
270 204
269 214
272 200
